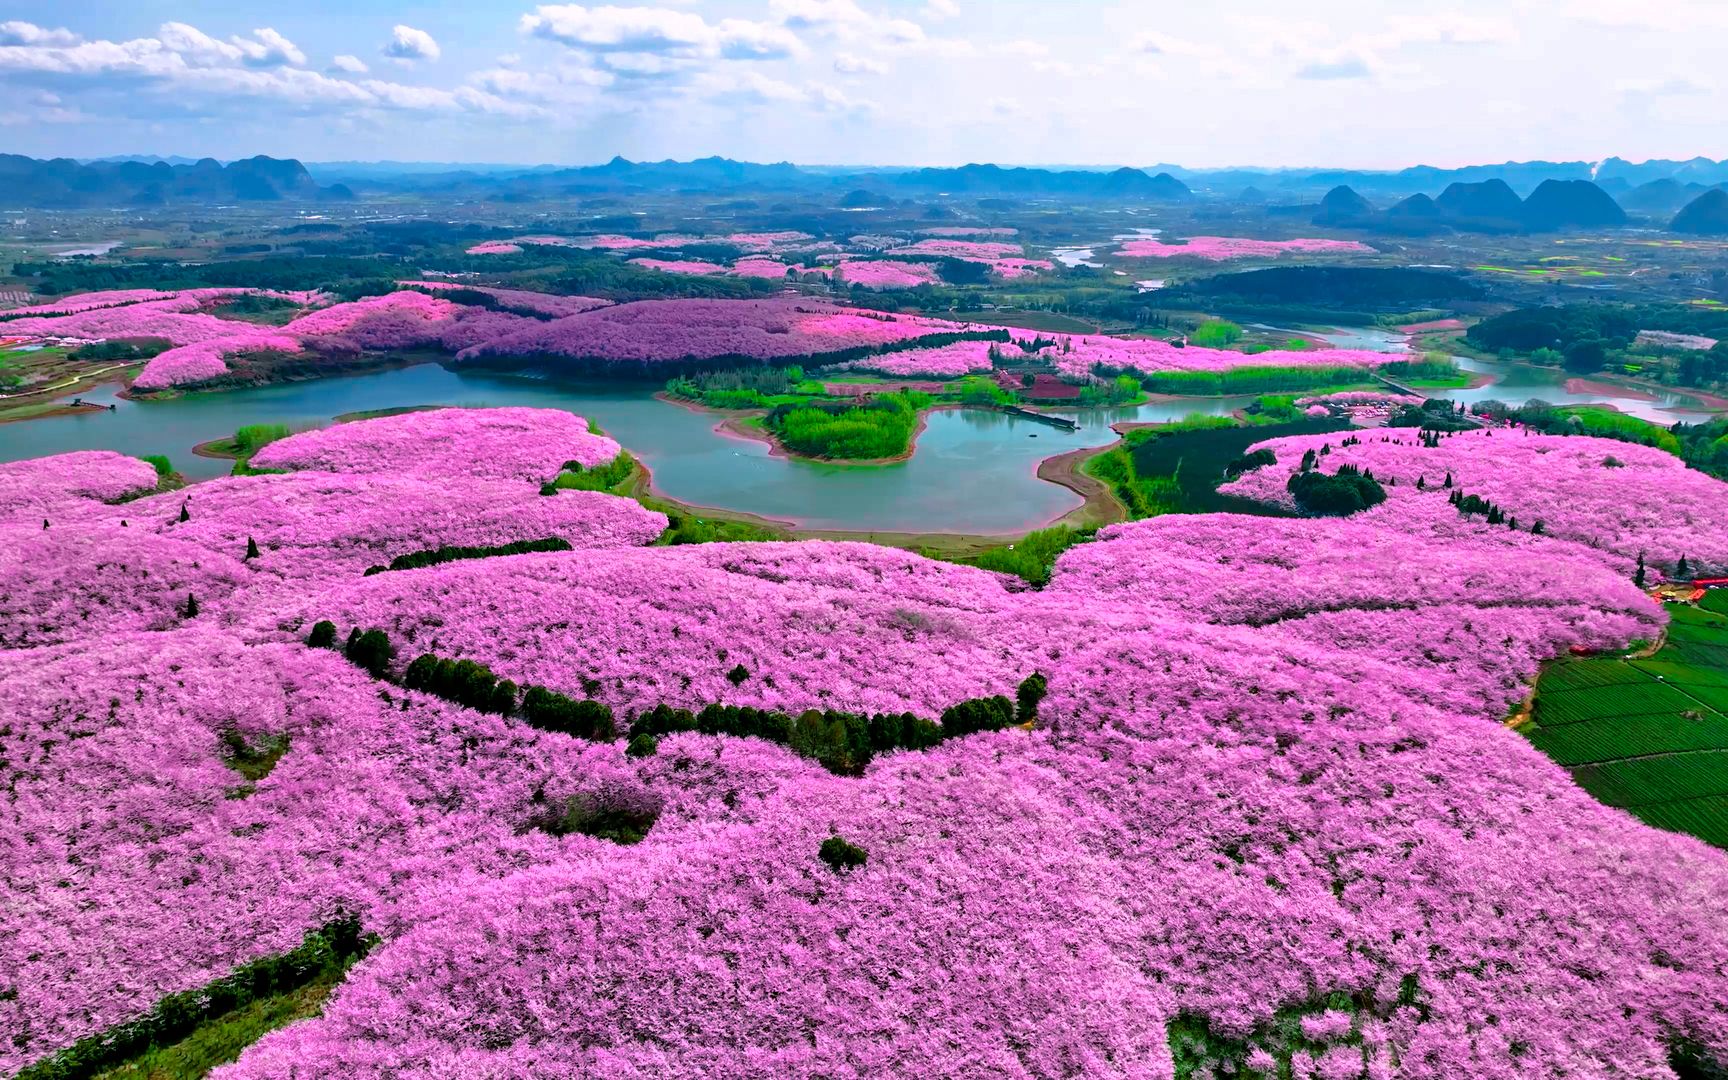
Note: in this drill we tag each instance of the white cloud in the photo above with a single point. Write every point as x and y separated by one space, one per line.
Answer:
205 75
1156 43
408 45
16 32
845 19
1672 86
941 9
1446 29
752 88
659 31
349 63
1663 16
1341 64
269 49
849 64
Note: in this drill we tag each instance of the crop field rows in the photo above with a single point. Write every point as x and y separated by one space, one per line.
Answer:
1651 735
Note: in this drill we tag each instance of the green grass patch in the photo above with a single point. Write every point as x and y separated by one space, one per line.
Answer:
223 1039
255 437
1584 674
1177 467
611 477
1667 778
1558 707
1611 738
190 1032
1647 735
1705 818
1031 557
1716 601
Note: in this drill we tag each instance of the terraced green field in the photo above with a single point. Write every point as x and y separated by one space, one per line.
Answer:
1650 736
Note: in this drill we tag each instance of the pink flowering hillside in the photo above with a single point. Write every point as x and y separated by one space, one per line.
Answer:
36 487
975 250
886 274
313 524
520 300
679 266
1616 497
402 313
524 444
174 318
201 362
1259 813
1006 260
1221 248
1082 355
651 332
946 361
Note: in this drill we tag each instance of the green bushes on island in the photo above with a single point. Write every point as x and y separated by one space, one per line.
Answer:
1250 380
255 437
1432 368
879 428
742 388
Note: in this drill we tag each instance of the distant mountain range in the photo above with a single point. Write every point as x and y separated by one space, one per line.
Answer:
1512 196
1481 206
68 184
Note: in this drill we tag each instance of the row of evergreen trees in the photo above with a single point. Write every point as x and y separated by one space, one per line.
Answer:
841 742
1476 504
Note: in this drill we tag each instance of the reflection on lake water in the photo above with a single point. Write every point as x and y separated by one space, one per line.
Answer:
973 471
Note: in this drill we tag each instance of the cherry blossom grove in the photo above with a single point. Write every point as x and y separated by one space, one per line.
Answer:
1270 774
1619 498
1221 248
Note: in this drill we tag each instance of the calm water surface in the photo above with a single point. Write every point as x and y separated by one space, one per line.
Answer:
974 470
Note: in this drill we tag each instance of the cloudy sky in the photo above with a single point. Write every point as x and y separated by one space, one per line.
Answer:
1364 83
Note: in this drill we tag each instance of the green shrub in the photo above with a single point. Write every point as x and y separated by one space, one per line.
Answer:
1216 334
977 714
1027 696
161 464
370 651
323 635
841 856
549 710
255 437
1033 556
1338 495
606 477
604 817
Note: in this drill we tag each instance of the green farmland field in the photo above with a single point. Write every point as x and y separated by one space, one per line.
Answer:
1649 736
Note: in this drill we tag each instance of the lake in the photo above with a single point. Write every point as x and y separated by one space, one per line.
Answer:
974 471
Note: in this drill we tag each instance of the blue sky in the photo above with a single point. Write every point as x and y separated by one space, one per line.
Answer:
1366 83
